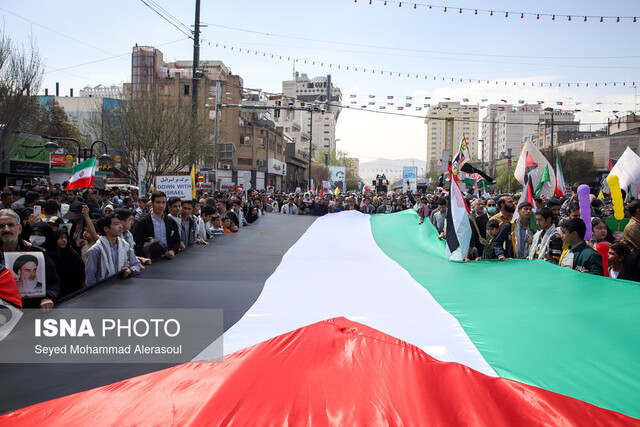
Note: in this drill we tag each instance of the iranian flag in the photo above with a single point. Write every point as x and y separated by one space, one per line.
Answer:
401 337
84 174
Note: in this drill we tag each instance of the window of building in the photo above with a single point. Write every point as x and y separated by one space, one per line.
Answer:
187 89
261 142
245 140
247 162
287 130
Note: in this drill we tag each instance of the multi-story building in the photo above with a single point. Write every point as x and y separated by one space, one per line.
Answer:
602 148
247 148
100 91
447 123
624 123
556 123
504 129
320 124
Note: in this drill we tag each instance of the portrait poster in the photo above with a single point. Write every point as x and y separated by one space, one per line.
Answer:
28 268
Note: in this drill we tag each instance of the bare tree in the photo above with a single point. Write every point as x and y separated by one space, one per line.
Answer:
21 71
158 129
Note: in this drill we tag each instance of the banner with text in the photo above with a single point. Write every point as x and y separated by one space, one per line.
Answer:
179 186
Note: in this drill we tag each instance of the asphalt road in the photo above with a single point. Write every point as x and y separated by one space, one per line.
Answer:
228 274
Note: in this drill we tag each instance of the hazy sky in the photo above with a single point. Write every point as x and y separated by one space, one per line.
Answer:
90 43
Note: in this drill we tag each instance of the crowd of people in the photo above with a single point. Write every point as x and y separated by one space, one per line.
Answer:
88 236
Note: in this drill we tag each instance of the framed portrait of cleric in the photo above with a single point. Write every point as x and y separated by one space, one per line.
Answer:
28 268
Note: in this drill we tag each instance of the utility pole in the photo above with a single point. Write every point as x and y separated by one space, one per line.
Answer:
310 142
196 63
216 131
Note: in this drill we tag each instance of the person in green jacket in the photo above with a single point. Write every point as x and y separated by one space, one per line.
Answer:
579 256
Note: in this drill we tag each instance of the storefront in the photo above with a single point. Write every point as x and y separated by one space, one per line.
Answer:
297 168
277 171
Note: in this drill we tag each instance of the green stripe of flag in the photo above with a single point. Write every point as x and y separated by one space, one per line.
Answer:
564 331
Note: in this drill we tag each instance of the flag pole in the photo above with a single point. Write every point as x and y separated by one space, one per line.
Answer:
475 224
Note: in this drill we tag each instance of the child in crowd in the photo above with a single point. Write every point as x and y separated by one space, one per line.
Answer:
493 228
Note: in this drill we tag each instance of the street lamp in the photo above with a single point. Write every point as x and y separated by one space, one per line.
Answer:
104 159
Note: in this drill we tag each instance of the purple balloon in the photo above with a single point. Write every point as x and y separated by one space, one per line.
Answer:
585 209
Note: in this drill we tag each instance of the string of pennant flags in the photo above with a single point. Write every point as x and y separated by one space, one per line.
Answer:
506 13
402 74
418 103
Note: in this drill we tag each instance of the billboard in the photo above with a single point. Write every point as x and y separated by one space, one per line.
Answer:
338 178
410 179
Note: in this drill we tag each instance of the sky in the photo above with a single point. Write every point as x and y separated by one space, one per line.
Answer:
90 43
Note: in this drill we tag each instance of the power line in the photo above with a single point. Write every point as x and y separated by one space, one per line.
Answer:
177 24
293 59
56 32
415 116
108 58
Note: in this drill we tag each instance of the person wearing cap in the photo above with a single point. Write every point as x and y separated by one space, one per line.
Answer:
10 229
111 254
79 215
156 224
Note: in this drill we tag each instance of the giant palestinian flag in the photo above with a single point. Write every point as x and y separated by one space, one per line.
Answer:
364 322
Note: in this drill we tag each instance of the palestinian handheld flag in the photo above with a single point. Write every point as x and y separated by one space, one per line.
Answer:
465 99
474 180
545 178
461 157
470 169
612 163
458 227
532 163
415 341
526 196
409 98
84 174
389 97
560 185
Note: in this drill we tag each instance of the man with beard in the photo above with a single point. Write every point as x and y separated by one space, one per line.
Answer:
481 219
10 229
26 267
507 208
514 239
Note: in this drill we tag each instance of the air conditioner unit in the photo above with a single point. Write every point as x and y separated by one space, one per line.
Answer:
226 167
